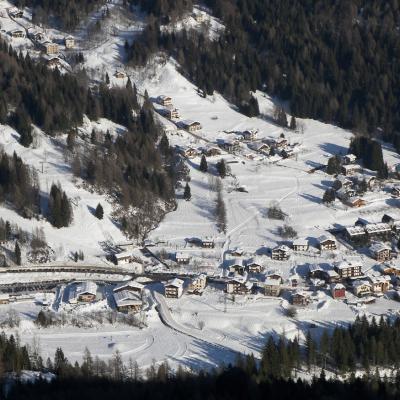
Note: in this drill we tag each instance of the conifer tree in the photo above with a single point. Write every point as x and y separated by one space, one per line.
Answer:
221 168
293 123
17 254
203 164
99 212
187 193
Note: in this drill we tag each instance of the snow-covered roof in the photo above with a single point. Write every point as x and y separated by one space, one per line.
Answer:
129 284
351 157
189 122
127 298
178 283
164 97
123 255
181 255
378 247
281 247
379 279
355 230
314 268
378 227
347 264
351 167
86 287
272 282
359 283
325 238
337 286
300 242
332 273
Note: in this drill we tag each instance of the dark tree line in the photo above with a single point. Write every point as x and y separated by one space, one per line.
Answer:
336 61
60 210
364 344
370 151
67 14
19 185
165 10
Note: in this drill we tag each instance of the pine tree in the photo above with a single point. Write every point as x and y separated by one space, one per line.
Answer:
221 168
334 166
17 254
293 124
203 164
329 196
99 212
107 79
187 193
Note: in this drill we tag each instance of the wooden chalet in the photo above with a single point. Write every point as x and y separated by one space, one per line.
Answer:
123 258
119 75
164 100
331 276
362 288
208 243
69 42
197 284
237 268
272 287
355 202
212 151
348 269
191 126
170 113
173 288
315 271
389 269
379 231
182 258
250 134
50 48
351 169
127 301
17 33
239 285
349 159
274 274
380 284
85 292
262 148
4 298
280 253
356 235
301 298
381 252
237 252
188 152
254 267
231 146
326 243
130 286
53 62
300 245
338 291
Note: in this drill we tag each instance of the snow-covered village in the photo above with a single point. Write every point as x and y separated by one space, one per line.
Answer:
250 225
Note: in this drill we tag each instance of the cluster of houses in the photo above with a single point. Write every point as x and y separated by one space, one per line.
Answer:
127 296
174 288
168 110
353 182
376 235
282 252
